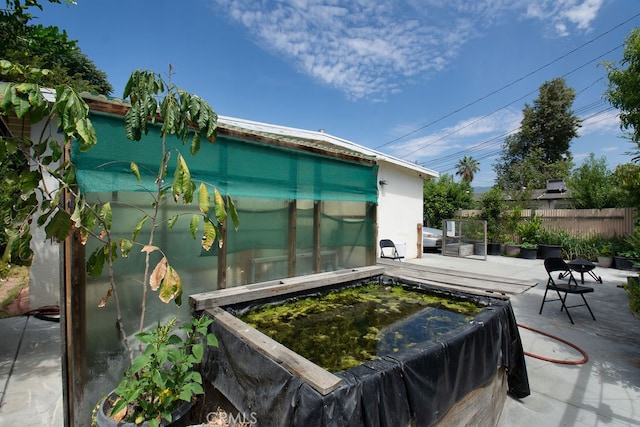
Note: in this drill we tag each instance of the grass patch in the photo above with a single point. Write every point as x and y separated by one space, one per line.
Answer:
16 280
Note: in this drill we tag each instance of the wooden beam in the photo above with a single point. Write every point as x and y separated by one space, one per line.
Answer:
257 291
293 220
222 257
322 381
317 220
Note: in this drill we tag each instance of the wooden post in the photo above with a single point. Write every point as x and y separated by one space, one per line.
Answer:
222 257
317 218
419 243
293 218
372 254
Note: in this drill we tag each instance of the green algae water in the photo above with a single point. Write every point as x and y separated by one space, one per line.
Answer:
345 328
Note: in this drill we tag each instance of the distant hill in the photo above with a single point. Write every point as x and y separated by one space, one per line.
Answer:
480 190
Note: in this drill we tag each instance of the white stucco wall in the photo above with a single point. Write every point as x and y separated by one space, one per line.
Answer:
399 208
46 269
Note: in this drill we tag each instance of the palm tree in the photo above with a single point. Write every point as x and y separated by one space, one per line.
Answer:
466 168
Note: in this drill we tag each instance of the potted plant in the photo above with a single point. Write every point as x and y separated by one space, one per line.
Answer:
628 252
550 243
605 255
492 205
511 248
154 101
528 231
528 250
162 381
633 292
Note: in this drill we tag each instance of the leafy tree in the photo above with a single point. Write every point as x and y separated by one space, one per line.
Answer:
593 185
41 47
154 102
467 168
624 88
627 178
492 205
540 150
443 197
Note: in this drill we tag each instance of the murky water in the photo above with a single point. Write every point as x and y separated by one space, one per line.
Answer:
348 327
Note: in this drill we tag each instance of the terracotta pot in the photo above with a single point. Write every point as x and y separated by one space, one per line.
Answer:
605 261
512 250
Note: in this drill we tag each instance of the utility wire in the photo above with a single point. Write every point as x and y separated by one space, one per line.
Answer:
529 74
599 57
446 160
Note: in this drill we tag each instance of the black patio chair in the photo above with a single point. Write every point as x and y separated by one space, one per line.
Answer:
391 247
563 289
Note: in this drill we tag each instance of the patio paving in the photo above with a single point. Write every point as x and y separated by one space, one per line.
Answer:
603 391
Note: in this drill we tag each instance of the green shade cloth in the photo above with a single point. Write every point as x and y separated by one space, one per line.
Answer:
238 168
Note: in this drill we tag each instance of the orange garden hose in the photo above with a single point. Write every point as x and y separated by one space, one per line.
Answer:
584 359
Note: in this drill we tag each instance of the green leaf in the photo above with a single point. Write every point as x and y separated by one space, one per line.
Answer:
182 183
195 143
135 171
106 215
198 352
171 285
56 151
233 212
76 216
203 199
139 362
138 227
60 226
172 221
95 263
194 224
125 247
220 210
210 232
212 340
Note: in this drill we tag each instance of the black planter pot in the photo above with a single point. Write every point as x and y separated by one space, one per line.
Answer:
180 416
494 249
549 251
624 263
478 248
528 253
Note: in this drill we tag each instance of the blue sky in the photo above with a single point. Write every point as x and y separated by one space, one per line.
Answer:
428 81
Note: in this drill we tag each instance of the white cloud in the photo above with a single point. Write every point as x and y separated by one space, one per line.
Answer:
476 133
562 14
604 122
369 49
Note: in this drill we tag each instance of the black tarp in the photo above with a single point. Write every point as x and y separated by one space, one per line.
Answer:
416 385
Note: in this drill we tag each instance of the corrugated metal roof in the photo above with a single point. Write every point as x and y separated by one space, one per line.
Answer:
318 140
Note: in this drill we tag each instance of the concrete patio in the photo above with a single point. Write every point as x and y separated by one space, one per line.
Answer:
603 391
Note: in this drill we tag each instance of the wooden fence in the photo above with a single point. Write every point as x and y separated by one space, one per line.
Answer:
580 222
